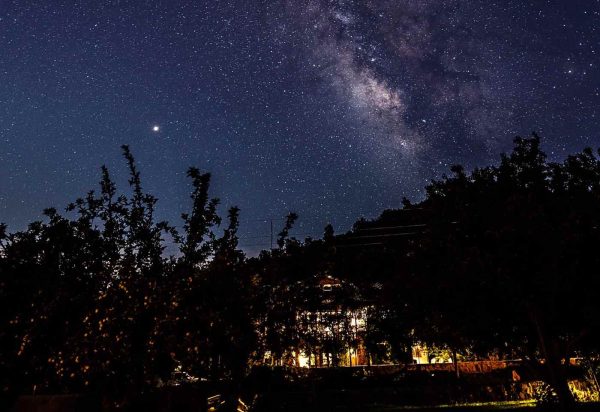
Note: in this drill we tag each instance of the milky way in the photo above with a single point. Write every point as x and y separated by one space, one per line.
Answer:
333 109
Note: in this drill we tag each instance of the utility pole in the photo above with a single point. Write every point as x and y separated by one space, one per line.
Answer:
271 233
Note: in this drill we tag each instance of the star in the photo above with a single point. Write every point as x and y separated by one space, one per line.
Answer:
330 95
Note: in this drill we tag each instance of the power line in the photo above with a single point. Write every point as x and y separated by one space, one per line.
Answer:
253 244
360 244
384 235
254 237
390 227
314 220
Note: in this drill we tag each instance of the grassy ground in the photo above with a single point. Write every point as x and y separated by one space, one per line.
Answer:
487 407
514 406
375 390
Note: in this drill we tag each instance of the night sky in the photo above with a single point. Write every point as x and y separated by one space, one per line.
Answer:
332 109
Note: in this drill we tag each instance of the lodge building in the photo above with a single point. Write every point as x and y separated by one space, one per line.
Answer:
336 328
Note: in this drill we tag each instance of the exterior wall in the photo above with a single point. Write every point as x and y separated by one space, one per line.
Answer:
333 334
420 354
335 324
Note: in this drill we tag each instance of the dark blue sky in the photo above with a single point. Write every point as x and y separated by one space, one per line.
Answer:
333 109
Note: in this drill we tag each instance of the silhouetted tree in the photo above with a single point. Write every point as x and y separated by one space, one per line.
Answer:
509 258
92 302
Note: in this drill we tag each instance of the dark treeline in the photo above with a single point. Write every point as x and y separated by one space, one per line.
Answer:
501 262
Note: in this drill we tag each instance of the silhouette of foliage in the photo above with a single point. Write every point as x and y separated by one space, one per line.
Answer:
92 302
499 262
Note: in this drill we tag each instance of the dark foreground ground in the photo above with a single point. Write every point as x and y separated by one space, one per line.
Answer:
579 408
64 404
482 386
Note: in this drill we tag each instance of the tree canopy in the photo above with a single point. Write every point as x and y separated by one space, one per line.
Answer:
499 262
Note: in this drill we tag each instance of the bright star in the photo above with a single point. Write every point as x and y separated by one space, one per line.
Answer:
156 128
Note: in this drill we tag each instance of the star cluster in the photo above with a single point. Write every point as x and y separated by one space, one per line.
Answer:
331 108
